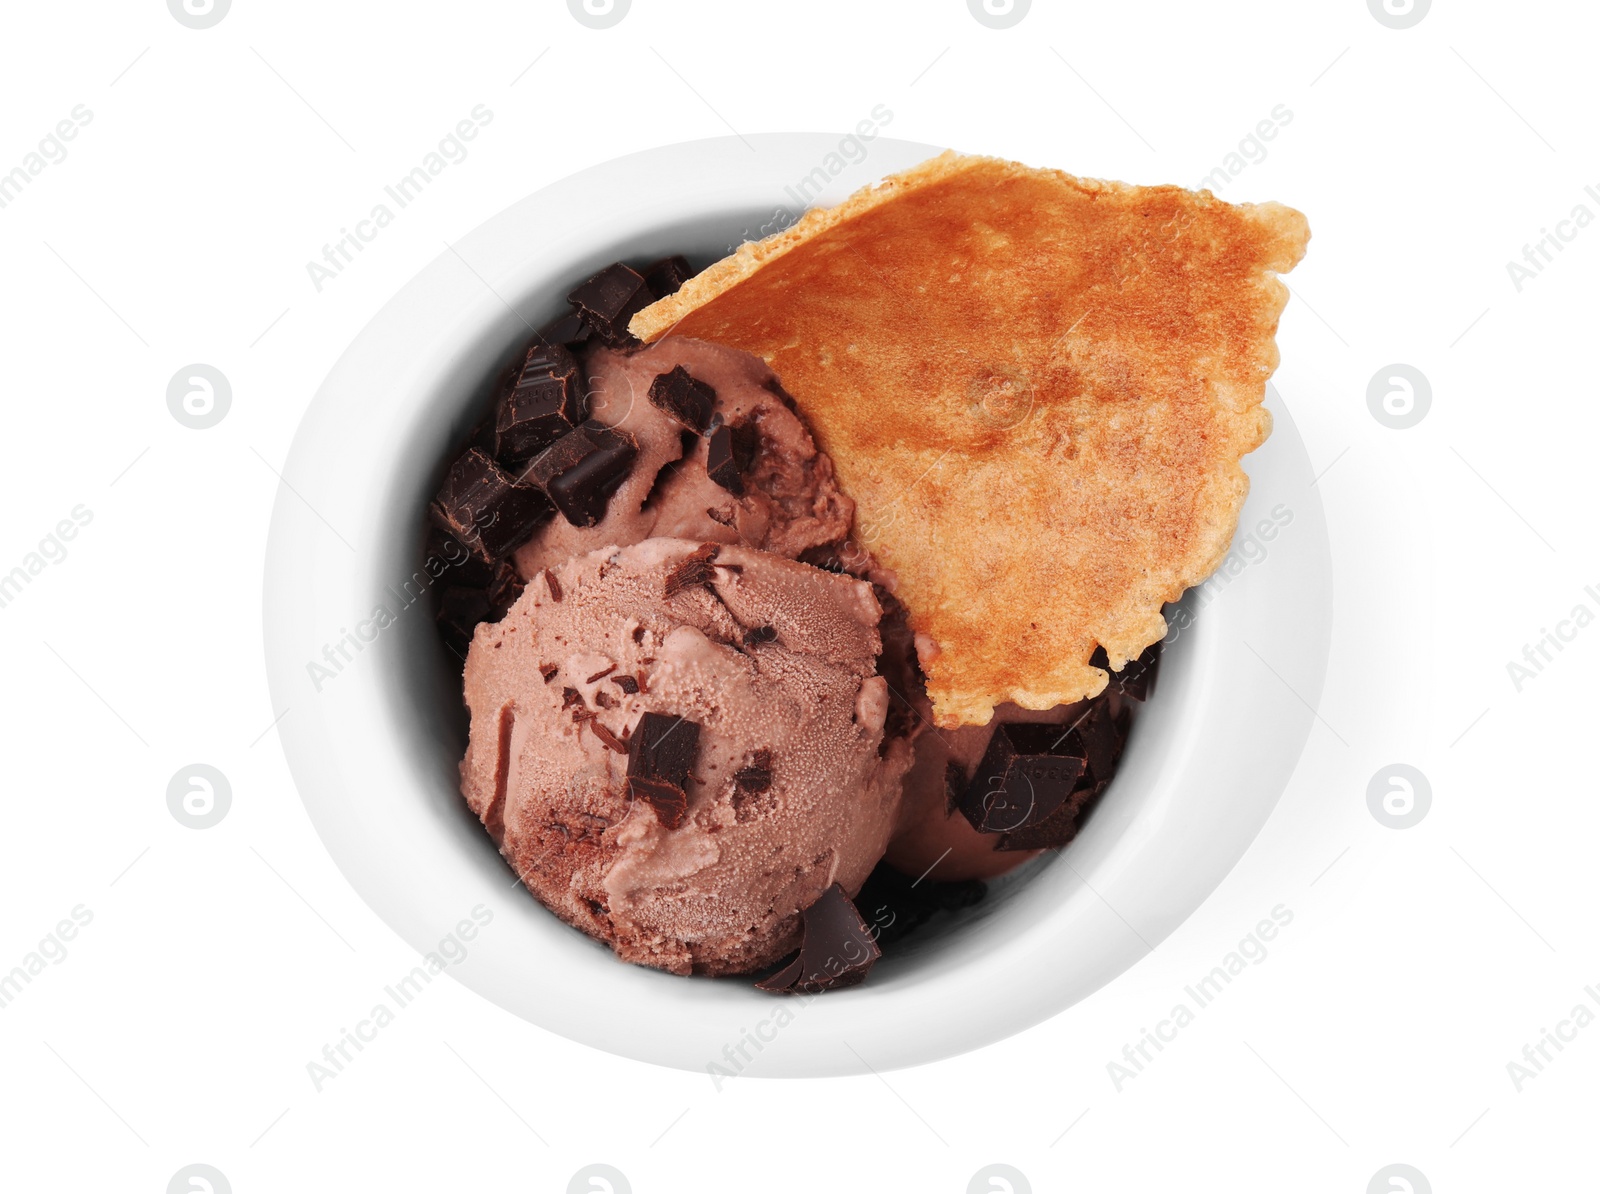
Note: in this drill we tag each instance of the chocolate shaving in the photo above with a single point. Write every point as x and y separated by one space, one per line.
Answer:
757 775
555 585
570 697
640 679
695 570
601 674
627 683
549 670
836 950
605 700
723 517
607 737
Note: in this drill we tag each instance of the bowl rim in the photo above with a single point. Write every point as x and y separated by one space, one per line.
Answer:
1212 752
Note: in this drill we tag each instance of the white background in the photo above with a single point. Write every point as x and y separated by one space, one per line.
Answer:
218 963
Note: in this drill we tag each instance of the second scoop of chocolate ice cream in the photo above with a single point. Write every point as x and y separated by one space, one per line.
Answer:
790 501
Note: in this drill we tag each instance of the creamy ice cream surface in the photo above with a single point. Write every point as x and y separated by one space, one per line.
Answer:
790 500
792 788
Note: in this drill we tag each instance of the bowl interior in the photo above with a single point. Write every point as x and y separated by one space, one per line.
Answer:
374 743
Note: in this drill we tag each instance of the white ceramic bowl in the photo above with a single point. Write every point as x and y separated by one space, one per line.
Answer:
373 743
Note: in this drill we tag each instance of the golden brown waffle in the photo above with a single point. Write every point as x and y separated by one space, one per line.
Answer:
1036 387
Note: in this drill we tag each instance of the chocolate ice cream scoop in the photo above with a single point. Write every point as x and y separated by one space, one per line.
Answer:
755 678
721 458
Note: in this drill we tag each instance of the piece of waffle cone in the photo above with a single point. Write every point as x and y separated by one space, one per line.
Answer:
1036 387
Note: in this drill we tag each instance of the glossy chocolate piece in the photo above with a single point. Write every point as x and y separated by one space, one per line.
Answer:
685 397
661 752
481 506
1027 773
836 950
543 402
607 301
1137 677
582 469
666 276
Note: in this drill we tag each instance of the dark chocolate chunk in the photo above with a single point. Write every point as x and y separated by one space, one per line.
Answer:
894 904
696 569
1099 737
446 558
756 776
746 443
608 300
504 587
667 275
836 949
482 436
1056 830
627 683
1137 677
663 747
720 464
569 331
582 469
460 611
549 671
730 450
684 397
757 635
1093 738
660 753
543 402
1026 774
483 509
